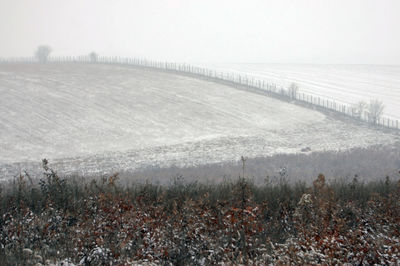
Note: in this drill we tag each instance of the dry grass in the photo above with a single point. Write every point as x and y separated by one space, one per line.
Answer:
101 222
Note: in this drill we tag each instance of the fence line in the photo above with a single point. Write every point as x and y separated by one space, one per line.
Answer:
232 78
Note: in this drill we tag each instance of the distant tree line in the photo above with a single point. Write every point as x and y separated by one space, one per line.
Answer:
43 52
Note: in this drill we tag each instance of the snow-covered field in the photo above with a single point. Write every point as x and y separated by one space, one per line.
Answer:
347 84
103 118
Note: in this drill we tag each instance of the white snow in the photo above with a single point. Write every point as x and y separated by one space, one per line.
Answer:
106 118
347 84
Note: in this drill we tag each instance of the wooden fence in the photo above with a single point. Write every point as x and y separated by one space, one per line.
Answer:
252 83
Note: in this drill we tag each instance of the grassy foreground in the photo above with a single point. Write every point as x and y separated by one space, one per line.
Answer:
100 222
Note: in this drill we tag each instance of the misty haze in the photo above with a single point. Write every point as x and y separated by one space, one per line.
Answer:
199 132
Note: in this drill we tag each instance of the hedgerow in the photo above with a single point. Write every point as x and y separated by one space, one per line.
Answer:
100 221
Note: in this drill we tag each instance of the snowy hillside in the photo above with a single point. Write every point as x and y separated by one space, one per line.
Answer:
347 84
102 118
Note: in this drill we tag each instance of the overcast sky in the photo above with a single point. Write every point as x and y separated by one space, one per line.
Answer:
281 31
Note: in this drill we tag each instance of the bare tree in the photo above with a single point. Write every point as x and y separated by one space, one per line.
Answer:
359 108
42 53
93 57
375 111
293 90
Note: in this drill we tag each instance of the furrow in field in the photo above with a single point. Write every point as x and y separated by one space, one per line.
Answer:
103 118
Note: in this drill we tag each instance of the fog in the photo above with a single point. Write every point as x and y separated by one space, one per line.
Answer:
282 31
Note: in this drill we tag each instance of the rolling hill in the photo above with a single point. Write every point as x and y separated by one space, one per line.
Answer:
347 84
94 118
